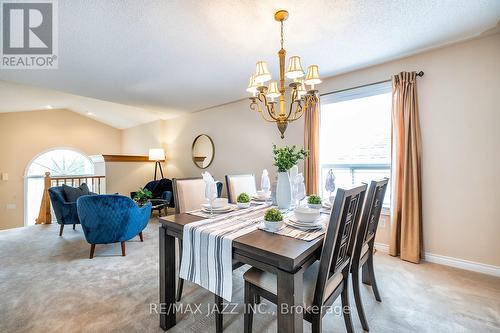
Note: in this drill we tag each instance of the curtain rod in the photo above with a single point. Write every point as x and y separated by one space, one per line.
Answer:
420 73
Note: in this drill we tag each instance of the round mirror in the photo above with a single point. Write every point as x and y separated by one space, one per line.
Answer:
203 151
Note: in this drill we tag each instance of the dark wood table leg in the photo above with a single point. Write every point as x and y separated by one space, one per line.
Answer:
167 280
290 296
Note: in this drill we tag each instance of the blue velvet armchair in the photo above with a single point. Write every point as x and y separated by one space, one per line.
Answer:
65 211
111 219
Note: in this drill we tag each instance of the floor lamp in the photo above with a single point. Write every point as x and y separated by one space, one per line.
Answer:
157 155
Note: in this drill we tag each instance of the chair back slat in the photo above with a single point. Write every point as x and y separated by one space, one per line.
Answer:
371 213
339 240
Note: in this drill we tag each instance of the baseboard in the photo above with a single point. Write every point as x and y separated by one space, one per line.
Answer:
452 262
463 264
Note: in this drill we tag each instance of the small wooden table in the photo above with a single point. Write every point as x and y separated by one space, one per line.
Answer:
284 256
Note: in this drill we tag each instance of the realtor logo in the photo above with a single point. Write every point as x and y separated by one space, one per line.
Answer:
29 34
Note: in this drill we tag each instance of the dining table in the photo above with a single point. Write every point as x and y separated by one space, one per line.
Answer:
284 256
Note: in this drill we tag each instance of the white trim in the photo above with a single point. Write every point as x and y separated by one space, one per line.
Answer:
452 262
463 264
384 248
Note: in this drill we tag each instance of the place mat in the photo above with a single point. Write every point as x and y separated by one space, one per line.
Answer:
207 248
307 235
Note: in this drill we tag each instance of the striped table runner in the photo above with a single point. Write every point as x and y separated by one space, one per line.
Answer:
207 257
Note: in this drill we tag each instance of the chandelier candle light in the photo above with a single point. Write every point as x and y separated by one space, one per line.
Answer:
301 99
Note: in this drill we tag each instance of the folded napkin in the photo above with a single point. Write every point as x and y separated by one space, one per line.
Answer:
210 186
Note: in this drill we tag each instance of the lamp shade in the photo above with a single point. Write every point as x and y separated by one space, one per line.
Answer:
312 75
301 89
262 72
156 154
252 85
273 90
294 68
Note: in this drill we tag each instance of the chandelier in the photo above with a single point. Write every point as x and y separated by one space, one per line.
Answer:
301 100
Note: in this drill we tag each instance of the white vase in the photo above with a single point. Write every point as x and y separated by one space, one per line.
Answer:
283 191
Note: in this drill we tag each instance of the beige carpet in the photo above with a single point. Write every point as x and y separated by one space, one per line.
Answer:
48 284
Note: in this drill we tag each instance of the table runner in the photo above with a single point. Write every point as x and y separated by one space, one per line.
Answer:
207 256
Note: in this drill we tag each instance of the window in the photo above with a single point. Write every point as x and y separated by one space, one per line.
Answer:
355 136
59 162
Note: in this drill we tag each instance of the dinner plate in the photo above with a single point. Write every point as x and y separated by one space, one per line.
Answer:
260 199
218 210
207 206
309 226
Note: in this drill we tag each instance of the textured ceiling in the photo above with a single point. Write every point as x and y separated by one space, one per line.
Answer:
166 57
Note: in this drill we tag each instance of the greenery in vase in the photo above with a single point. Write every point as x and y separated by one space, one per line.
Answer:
286 157
243 198
273 215
314 200
143 195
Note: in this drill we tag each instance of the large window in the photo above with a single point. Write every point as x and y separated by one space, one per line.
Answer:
59 162
355 135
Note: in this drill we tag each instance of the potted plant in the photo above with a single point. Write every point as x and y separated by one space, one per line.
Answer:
284 159
142 196
314 201
243 200
273 219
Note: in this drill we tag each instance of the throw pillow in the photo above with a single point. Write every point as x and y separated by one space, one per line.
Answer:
73 193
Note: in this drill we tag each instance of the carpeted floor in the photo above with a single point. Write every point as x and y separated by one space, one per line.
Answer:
48 284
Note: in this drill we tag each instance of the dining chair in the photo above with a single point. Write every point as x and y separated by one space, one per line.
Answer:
189 194
237 184
323 280
365 239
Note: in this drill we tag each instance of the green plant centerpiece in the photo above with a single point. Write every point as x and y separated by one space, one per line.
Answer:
286 157
143 195
243 198
314 200
273 215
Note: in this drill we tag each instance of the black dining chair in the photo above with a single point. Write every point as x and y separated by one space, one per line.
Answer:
324 280
365 239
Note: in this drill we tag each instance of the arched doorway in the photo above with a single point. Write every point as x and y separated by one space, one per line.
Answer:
57 161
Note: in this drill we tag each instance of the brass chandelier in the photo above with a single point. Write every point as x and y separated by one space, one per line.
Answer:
301 99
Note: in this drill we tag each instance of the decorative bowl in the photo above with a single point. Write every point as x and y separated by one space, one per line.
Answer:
306 214
273 225
314 206
243 204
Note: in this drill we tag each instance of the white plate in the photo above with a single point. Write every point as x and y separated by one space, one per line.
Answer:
260 199
219 210
309 226
207 206
295 220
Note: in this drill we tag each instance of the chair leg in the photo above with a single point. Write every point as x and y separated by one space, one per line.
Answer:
316 324
357 298
180 282
371 273
249 308
61 228
74 226
346 308
123 249
218 314
141 236
92 250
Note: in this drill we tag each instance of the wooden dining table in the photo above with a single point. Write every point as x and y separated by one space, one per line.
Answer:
284 256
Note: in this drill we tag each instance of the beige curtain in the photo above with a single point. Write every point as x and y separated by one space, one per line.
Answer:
311 143
406 205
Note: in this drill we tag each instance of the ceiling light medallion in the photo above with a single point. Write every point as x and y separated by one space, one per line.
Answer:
301 99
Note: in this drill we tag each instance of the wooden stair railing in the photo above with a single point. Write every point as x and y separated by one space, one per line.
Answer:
95 184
